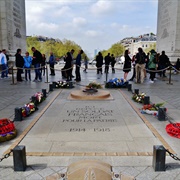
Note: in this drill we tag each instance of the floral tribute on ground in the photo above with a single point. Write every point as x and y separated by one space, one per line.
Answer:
7 130
116 83
139 98
94 85
152 109
63 84
173 130
30 107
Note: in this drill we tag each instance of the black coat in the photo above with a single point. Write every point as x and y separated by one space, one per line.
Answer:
99 61
38 57
68 61
127 64
19 61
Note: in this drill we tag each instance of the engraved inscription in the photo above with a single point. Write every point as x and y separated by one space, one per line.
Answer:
89 115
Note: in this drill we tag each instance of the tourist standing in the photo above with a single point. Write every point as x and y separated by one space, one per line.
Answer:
107 62
3 63
127 64
78 65
52 61
99 62
37 60
72 62
85 63
68 66
152 65
43 64
19 64
140 65
134 70
177 66
163 63
113 62
27 66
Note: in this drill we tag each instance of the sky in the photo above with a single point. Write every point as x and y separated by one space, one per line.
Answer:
92 24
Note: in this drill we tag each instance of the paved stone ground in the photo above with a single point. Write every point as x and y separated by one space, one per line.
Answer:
12 96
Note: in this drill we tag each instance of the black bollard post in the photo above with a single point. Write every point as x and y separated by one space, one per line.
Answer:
50 87
54 84
159 158
13 76
136 91
44 93
70 85
47 81
170 73
162 114
18 114
19 158
146 100
129 87
106 75
34 100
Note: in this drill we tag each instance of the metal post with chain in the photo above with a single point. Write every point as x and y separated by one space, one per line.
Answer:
173 155
6 156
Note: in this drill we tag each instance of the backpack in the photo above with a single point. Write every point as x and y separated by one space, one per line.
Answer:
141 58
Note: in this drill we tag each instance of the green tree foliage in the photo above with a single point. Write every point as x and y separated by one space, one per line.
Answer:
117 49
152 46
51 45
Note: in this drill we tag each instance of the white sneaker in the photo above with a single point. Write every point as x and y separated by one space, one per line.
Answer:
151 81
155 79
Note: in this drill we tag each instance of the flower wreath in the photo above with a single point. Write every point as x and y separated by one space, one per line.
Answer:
63 84
7 130
94 85
139 97
117 83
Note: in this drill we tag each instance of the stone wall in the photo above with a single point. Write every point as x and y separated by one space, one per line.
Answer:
168 28
12 25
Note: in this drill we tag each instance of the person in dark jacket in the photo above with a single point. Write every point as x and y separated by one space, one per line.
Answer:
37 60
68 66
99 62
163 63
78 65
52 61
177 66
140 59
107 62
19 64
113 62
127 64
43 65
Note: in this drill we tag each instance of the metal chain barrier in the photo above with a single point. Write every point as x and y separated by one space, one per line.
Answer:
173 155
6 156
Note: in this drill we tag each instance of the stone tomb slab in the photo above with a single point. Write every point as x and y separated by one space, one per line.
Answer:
90 126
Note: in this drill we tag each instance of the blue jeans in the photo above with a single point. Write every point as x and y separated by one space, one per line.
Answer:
4 70
37 71
27 72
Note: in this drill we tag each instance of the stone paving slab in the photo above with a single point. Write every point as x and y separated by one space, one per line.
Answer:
160 89
90 127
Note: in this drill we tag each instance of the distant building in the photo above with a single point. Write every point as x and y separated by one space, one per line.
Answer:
143 41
